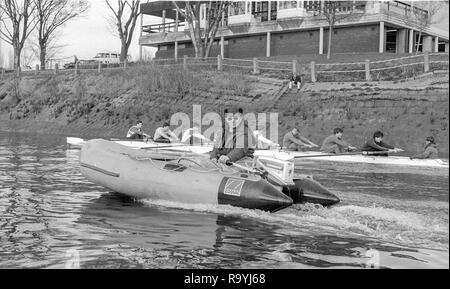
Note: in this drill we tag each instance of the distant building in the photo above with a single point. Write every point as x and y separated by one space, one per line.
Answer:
272 28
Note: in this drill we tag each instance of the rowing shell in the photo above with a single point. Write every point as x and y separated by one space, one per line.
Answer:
286 155
391 160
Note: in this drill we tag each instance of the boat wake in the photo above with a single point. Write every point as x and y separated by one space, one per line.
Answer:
377 224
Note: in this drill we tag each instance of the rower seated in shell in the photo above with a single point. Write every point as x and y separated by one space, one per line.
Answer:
335 144
135 132
294 141
430 150
163 134
376 144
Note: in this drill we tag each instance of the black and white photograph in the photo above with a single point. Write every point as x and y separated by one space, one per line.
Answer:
246 137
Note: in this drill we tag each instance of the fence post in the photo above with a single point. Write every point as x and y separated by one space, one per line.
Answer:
185 62
255 65
76 68
56 69
99 69
3 73
294 66
367 68
313 71
219 62
426 62
37 69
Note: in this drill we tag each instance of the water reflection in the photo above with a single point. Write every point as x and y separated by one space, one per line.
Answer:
48 209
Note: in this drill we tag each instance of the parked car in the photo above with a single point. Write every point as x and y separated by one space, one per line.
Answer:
109 57
26 68
81 64
70 65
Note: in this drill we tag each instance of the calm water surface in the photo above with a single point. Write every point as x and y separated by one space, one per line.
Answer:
50 215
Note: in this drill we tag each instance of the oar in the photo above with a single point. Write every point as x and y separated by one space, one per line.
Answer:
342 154
130 140
164 146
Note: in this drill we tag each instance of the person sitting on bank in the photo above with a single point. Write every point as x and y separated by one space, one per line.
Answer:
135 132
334 143
164 134
429 151
235 140
293 140
376 144
295 79
194 136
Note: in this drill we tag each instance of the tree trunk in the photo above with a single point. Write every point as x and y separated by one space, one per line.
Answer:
17 52
123 53
42 55
330 33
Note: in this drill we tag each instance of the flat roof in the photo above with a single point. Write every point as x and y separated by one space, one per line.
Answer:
155 8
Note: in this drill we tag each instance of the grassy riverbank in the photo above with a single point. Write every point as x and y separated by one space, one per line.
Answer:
106 104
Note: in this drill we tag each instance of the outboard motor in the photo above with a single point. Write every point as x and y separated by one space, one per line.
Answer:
311 191
302 189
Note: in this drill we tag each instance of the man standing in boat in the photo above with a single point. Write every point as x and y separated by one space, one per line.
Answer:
135 132
294 141
235 140
164 134
430 150
376 144
335 144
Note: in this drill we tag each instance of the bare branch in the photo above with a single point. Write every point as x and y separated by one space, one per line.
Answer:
125 17
52 15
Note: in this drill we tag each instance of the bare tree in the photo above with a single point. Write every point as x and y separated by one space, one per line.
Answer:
335 12
203 38
28 54
17 21
125 17
53 49
422 16
52 15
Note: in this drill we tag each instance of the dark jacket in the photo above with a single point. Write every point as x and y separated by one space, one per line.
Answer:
430 152
235 145
372 146
296 78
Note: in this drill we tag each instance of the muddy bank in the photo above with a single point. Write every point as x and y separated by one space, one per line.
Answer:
105 105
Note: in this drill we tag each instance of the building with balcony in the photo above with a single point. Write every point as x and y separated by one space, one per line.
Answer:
272 28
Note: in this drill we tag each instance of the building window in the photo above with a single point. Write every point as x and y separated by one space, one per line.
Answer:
163 47
287 5
181 46
225 42
237 8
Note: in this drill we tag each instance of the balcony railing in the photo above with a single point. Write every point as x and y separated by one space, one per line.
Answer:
406 9
163 27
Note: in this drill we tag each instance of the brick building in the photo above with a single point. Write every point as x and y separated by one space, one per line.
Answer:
273 28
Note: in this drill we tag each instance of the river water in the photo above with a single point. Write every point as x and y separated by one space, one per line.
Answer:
52 217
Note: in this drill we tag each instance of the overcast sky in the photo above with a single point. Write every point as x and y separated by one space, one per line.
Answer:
87 36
